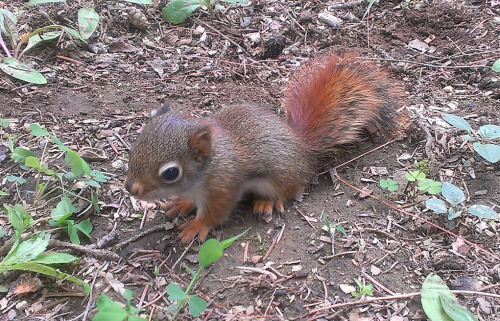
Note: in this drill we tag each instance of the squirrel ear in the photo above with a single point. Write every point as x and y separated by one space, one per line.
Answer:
201 140
165 108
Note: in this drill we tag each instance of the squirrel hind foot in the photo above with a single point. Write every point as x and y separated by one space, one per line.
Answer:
192 228
177 205
264 208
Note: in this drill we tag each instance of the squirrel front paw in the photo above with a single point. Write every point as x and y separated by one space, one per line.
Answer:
193 227
177 205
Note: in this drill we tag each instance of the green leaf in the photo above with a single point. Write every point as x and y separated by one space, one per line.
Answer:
85 227
10 15
20 154
177 11
2 193
133 317
9 27
17 179
415 176
483 211
19 217
432 288
490 152
37 130
341 229
436 205
27 250
175 293
140 1
60 144
18 70
47 270
73 33
109 310
384 184
210 252
78 165
33 162
489 132
457 121
453 309
63 210
42 37
3 289
452 214
226 243
452 193
55 258
99 176
91 182
196 305
95 202
35 2
468 138
88 20
72 232
496 66
4 122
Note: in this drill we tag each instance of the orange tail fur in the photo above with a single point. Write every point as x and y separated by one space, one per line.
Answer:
337 100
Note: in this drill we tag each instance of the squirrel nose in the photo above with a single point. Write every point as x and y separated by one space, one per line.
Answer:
133 188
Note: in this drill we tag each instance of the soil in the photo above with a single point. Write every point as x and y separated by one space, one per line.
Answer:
100 94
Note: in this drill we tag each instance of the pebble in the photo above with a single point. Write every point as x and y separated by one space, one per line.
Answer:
448 89
330 20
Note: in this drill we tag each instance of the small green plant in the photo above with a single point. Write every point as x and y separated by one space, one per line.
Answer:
332 228
28 254
177 11
424 184
209 252
496 66
49 181
110 310
11 64
440 304
479 138
389 184
363 289
454 206
370 4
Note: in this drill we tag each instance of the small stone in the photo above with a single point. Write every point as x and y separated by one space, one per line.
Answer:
256 259
306 16
448 89
138 19
330 20
246 21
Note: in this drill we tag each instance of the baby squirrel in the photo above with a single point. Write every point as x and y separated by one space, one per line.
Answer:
208 165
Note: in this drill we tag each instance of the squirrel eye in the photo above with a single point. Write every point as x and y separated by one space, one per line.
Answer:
170 172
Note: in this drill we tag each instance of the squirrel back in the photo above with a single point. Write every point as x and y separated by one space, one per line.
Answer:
336 101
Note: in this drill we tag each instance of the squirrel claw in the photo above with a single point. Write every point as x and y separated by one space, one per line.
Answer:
177 205
264 208
191 228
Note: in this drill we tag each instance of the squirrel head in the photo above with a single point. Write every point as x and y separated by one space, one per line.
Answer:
169 155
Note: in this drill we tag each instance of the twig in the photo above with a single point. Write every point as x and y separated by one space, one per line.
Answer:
166 227
334 174
396 297
304 217
276 240
198 21
183 253
360 156
425 64
377 283
99 253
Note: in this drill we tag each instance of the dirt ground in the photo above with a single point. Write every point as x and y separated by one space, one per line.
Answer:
99 95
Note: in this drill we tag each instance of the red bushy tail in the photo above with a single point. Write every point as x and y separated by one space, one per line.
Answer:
336 101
